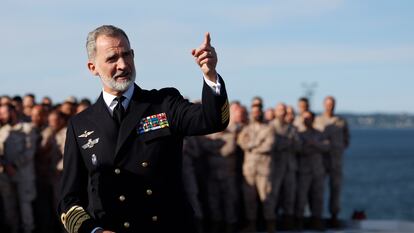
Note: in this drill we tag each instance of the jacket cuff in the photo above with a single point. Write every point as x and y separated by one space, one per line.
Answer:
77 220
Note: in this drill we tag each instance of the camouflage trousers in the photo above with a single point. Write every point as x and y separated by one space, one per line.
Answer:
223 199
17 198
255 184
191 188
310 185
9 202
26 193
333 167
284 180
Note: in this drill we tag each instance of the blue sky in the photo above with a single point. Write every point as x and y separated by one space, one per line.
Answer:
362 52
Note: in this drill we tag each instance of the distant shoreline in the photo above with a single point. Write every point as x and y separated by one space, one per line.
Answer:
379 121
378 128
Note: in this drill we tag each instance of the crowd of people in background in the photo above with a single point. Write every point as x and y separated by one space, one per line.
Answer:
268 170
32 139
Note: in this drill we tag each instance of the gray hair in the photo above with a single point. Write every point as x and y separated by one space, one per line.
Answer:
107 30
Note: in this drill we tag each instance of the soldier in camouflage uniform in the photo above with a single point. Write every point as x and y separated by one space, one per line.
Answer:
57 127
286 145
303 106
269 115
311 172
220 149
256 140
58 122
290 115
18 142
44 210
257 101
336 130
191 153
7 194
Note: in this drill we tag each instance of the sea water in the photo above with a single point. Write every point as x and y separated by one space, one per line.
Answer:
379 174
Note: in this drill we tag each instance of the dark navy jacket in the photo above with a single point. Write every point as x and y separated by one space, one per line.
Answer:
124 179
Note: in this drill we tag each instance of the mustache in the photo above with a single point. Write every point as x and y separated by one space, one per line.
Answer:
122 74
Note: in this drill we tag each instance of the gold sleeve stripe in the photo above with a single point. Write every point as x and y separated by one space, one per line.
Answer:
223 121
225 112
80 221
225 116
225 106
63 215
73 218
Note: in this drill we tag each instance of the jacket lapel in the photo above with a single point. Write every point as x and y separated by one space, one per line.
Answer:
102 119
136 109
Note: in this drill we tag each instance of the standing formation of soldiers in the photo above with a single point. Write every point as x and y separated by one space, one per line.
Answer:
287 143
267 167
32 138
17 147
272 161
256 140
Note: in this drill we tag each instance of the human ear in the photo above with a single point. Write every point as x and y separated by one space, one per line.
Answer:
92 68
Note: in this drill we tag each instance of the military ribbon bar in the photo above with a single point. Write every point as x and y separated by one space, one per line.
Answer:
153 122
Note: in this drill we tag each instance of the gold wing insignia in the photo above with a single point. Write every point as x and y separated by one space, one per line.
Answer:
86 134
91 143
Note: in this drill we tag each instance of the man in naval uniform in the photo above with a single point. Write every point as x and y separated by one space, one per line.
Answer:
123 155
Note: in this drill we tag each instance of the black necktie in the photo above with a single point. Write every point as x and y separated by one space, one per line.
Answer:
119 110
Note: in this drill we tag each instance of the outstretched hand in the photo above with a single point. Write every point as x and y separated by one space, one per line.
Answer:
206 57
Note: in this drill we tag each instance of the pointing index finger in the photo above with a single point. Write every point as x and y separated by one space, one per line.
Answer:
207 39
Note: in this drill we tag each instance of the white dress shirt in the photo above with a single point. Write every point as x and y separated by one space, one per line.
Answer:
111 102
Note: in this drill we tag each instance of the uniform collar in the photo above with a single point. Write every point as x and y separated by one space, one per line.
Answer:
111 103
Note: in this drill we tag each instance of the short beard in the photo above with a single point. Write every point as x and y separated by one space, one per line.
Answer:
118 86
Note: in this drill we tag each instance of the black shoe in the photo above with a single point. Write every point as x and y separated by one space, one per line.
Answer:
288 223
299 224
199 225
215 227
271 226
250 227
317 224
334 222
229 228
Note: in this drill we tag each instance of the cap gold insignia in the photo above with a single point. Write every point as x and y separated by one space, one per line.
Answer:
86 134
91 143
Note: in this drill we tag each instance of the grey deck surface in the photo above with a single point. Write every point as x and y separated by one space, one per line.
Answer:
369 226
